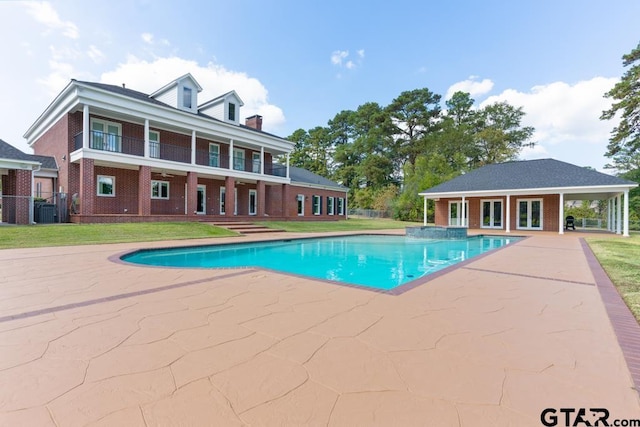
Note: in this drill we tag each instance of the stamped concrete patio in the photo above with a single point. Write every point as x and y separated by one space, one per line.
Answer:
86 341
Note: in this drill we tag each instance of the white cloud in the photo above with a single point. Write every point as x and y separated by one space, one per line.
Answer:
566 118
472 86
350 65
44 13
95 54
147 37
339 55
361 53
148 76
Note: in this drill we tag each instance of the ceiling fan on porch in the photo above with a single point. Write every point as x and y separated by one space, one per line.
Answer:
164 174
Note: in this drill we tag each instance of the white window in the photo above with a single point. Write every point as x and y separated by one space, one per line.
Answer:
530 214
223 197
154 144
187 97
455 214
330 210
491 213
159 190
300 200
340 206
106 136
255 164
253 202
238 159
214 155
106 186
317 205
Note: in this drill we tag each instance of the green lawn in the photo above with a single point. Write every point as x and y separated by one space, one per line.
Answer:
621 260
348 225
30 236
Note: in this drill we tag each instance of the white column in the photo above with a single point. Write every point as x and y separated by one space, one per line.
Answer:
609 214
424 215
146 138
287 165
618 214
508 228
231 154
463 214
193 147
625 231
85 126
261 160
561 214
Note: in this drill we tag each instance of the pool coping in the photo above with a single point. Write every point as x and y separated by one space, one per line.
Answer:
398 290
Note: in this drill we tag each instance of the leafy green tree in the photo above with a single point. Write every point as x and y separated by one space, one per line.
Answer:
312 150
624 143
413 114
499 135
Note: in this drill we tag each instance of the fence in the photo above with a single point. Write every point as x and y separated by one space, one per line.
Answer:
600 224
29 210
369 213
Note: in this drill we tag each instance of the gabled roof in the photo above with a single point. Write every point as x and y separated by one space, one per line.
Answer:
9 152
304 176
527 175
221 98
175 83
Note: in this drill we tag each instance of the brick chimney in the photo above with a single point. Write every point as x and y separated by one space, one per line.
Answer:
254 121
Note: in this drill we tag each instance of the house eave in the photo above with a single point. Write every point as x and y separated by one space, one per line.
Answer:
597 189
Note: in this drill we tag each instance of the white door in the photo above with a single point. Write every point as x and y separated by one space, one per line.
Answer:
455 214
491 211
530 214
253 202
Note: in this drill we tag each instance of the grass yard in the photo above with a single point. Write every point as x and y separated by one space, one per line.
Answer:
346 225
29 236
621 260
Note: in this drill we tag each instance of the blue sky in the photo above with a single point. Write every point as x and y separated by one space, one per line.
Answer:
298 63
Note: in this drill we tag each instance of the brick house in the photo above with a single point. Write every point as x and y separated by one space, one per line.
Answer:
127 156
21 174
526 195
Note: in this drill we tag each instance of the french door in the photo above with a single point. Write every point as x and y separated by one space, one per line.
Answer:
491 211
530 214
201 207
455 214
253 202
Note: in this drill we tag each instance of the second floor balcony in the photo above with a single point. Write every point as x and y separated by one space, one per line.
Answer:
175 153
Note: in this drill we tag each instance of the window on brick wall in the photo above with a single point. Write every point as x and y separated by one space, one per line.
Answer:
317 205
330 203
159 190
106 186
340 206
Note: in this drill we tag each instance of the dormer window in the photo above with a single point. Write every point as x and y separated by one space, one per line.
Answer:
186 97
232 112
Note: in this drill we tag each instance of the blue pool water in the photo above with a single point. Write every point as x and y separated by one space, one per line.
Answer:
381 262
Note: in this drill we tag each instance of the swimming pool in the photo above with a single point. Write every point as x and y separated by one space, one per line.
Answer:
376 261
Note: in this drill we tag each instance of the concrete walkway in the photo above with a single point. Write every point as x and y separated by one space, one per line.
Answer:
86 341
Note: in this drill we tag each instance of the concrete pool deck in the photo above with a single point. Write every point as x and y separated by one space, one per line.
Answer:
86 341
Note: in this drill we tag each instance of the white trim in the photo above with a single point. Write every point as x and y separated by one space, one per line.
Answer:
462 221
201 188
222 203
508 214
492 214
561 219
113 186
333 207
106 134
160 184
341 205
619 214
313 204
300 202
531 191
528 226
244 159
625 226
147 144
214 144
253 192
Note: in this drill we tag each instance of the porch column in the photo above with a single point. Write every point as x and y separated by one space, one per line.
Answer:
261 161
192 193
285 201
261 189
85 126
144 190
609 214
230 157
87 186
146 138
618 214
193 147
561 214
463 214
508 207
625 231
425 211
230 197
287 165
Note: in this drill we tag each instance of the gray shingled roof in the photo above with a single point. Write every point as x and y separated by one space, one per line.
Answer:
527 174
141 96
8 151
306 177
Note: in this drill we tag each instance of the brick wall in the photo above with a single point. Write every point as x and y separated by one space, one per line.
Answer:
275 200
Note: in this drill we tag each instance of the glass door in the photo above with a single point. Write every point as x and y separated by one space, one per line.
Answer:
530 214
491 214
455 214
201 207
253 202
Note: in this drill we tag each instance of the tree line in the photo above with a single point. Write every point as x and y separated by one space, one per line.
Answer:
387 154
